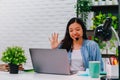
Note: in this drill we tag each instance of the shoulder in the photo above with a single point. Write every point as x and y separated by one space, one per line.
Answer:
91 46
89 43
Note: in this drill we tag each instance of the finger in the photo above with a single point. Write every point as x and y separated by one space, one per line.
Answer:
20 65
53 36
49 39
56 37
6 65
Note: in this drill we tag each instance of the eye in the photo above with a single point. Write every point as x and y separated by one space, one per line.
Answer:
77 29
70 30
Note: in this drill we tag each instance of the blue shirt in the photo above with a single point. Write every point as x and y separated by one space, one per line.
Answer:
90 52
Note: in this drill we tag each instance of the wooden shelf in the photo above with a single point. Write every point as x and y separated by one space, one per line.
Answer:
90 32
107 55
114 9
106 9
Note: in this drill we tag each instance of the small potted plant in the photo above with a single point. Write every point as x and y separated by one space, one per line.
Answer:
100 18
14 56
83 7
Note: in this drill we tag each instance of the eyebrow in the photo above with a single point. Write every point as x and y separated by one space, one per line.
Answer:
75 28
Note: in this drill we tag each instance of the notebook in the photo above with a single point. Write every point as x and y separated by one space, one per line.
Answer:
53 61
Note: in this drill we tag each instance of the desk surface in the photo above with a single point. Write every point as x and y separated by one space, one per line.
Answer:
39 76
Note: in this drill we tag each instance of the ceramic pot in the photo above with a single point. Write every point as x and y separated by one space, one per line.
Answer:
13 69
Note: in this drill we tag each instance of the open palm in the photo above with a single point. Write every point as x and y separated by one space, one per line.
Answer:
54 40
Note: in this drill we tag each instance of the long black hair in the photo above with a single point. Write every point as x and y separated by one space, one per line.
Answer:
67 41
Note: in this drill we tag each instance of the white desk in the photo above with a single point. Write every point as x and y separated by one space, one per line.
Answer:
38 76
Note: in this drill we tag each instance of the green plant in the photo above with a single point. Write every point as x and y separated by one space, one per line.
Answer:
100 18
102 44
83 7
14 55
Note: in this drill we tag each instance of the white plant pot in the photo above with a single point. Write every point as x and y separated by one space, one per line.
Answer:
103 3
107 2
96 3
115 2
110 2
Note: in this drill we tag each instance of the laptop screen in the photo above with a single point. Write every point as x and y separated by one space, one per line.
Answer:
54 61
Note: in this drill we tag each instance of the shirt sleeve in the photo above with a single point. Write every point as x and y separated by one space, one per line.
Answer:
95 54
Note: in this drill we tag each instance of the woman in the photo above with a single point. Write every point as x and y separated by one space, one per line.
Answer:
80 49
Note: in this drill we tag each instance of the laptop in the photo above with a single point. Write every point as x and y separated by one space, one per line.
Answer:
51 61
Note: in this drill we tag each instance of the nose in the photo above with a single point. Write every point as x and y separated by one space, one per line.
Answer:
74 32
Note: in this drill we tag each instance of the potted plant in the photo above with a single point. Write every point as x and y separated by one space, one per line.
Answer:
96 2
14 56
83 7
100 18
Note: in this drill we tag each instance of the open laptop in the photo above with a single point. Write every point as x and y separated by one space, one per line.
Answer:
53 61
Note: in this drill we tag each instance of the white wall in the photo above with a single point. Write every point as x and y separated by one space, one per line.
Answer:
29 23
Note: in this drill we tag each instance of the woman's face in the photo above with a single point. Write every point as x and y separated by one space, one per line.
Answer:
75 31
